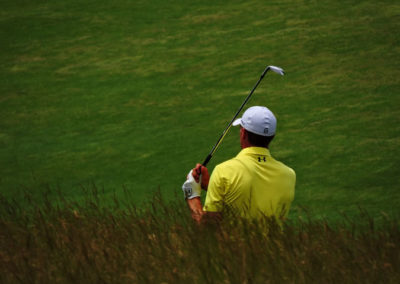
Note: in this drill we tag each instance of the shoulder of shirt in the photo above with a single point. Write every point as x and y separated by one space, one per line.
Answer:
286 168
233 163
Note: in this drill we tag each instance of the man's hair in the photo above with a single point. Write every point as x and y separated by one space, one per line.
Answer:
259 140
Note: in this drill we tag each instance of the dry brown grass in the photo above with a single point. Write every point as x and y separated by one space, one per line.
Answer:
89 243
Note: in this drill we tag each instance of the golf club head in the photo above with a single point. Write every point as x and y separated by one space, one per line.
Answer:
277 70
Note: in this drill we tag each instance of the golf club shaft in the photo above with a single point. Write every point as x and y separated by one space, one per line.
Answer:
233 119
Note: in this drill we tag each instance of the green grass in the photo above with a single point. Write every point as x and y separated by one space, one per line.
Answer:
133 93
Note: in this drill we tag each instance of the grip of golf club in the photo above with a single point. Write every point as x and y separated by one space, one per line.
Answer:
200 177
207 160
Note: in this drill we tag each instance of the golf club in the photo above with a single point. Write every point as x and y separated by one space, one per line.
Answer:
272 68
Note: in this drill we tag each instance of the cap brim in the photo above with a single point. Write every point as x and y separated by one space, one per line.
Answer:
237 122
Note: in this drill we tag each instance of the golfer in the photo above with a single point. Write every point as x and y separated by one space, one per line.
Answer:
253 184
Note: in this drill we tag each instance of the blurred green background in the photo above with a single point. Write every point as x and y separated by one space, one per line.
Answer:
132 94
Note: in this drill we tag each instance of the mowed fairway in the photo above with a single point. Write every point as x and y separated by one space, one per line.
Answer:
131 94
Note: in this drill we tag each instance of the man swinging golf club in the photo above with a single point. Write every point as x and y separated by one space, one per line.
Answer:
253 184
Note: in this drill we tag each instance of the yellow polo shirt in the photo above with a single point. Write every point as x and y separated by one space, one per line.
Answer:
253 184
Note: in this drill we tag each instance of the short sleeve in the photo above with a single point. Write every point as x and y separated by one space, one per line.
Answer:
216 191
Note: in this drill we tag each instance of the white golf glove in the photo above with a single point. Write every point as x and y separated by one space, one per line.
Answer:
190 187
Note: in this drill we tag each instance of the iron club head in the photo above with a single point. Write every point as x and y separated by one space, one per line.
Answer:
277 70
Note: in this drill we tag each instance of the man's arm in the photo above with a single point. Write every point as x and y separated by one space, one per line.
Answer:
199 215
194 202
196 209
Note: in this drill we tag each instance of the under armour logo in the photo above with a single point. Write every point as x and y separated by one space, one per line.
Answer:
262 159
188 191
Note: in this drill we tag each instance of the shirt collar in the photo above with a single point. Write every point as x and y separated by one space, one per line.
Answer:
255 151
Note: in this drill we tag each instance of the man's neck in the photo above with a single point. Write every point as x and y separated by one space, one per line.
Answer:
247 145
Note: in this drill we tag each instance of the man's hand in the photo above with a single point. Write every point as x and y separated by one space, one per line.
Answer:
201 172
191 188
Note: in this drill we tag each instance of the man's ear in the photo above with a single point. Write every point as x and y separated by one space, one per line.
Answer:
243 134
244 138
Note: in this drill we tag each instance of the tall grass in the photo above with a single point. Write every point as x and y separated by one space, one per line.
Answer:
70 242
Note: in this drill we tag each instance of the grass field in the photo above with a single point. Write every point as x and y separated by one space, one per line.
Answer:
104 105
131 94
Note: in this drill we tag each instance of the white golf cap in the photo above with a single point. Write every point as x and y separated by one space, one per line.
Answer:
258 120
